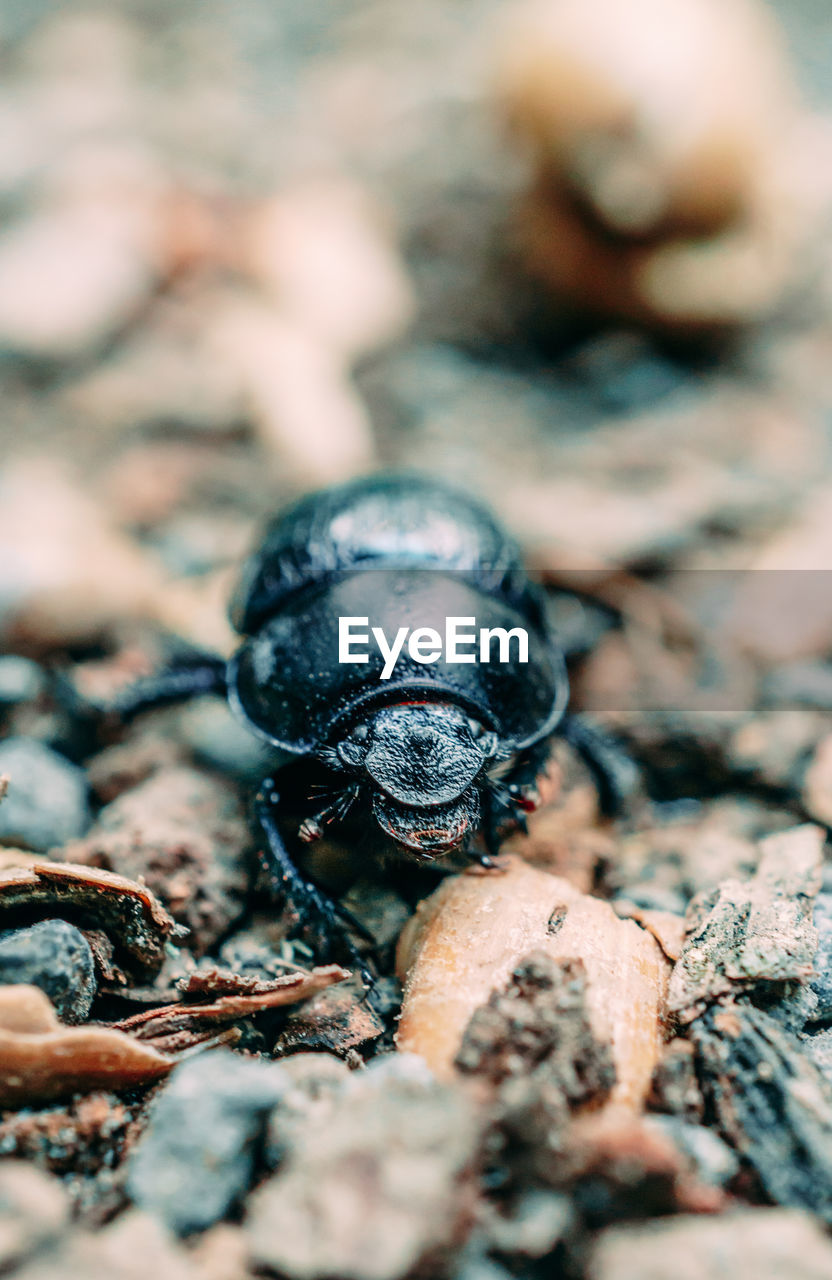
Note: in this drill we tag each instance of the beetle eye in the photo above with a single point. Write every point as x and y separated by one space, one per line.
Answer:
485 739
352 749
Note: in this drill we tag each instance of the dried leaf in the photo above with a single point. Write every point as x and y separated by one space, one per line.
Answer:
42 1060
334 1021
289 989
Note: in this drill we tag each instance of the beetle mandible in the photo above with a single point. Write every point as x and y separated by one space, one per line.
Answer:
429 757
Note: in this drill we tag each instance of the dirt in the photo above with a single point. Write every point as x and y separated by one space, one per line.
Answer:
245 254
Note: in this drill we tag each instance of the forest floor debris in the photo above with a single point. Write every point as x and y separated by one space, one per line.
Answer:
275 255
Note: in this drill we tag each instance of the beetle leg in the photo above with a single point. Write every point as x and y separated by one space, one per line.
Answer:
521 782
494 818
482 859
502 814
317 914
195 676
507 800
615 774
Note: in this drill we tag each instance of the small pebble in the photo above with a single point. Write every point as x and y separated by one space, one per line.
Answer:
818 1047
21 680
56 957
196 1158
46 803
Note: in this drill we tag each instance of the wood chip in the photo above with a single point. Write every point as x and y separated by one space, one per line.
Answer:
469 936
132 918
170 1020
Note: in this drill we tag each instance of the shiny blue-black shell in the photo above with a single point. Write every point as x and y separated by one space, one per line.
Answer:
402 550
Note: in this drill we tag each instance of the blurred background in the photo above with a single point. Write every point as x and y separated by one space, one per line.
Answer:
572 255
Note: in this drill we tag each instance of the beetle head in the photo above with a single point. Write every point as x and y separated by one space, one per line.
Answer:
422 761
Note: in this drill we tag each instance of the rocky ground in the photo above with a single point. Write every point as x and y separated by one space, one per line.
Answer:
244 254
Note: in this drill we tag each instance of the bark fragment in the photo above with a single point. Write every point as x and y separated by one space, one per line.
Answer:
182 1025
758 931
770 1101
134 921
335 1021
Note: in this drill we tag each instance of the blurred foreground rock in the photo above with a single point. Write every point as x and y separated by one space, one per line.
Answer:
756 1244
376 1182
34 1212
46 802
196 1158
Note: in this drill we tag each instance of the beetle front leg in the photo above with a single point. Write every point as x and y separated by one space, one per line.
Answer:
316 912
508 799
615 774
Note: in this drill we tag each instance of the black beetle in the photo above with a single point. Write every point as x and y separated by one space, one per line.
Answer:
440 750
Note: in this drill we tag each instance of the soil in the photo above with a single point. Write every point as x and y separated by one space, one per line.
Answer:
248 251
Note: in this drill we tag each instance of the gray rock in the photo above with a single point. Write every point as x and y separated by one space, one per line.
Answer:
821 983
196 1158
215 735
46 803
56 957
376 1179
21 680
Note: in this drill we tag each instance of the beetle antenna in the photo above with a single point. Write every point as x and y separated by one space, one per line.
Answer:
312 828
